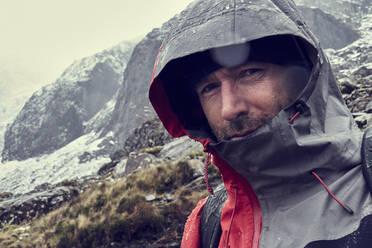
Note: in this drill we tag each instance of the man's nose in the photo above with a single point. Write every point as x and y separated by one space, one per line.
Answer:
232 102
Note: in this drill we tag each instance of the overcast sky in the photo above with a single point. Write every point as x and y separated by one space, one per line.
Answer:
45 36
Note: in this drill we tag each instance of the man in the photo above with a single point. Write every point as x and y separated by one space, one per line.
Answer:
250 82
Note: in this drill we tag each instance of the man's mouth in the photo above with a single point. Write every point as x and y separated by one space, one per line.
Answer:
239 135
239 128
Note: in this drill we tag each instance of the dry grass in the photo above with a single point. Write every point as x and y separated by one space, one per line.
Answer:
152 150
115 212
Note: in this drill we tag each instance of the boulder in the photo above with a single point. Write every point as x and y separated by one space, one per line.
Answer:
135 161
346 86
179 147
139 162
197 166
19 208
149 134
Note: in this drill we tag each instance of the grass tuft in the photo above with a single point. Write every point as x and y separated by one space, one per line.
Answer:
117 212
152 150
128 203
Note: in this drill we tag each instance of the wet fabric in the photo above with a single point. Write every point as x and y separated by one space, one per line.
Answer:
273 198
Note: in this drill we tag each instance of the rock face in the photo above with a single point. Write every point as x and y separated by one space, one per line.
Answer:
15 209
56 114
352 66
132 106
151 133
82 100
331 32
349 12
179 147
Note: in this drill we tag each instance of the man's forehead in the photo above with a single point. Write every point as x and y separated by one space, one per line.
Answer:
276 50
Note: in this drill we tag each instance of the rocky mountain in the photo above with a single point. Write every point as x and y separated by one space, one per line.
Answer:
75 104
82 114
353 68
132 106
57 114
124 121
332 33
349 12
347 60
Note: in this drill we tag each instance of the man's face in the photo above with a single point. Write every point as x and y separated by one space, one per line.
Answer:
238 100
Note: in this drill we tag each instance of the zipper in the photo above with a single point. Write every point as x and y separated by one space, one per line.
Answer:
232 216
257 217
250 194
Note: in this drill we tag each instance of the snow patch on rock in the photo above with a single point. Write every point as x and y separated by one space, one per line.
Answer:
24 176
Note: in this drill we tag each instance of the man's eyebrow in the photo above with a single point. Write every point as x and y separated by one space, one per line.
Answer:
203 80
250 64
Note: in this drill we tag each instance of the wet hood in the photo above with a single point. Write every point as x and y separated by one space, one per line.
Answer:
323 137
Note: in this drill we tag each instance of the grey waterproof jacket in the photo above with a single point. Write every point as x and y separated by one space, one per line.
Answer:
275 199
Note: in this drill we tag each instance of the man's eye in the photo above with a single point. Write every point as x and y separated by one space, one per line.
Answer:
208 88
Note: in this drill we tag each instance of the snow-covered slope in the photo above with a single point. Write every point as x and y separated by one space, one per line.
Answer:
82 82
56 114
349 11
69 162
84 154
115 57
359 53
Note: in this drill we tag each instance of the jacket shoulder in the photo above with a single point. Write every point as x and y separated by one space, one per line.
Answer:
191 235
367 158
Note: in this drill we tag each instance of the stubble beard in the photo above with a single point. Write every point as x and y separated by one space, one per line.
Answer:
240 124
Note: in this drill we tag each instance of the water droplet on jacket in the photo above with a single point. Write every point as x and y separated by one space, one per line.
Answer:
230 56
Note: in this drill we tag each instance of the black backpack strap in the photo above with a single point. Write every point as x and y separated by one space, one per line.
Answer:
367 158
210 224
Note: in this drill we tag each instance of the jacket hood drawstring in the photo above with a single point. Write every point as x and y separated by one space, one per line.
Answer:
207 162
299 110
344 206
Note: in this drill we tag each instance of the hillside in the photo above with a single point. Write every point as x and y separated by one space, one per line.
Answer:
146 209
85 162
